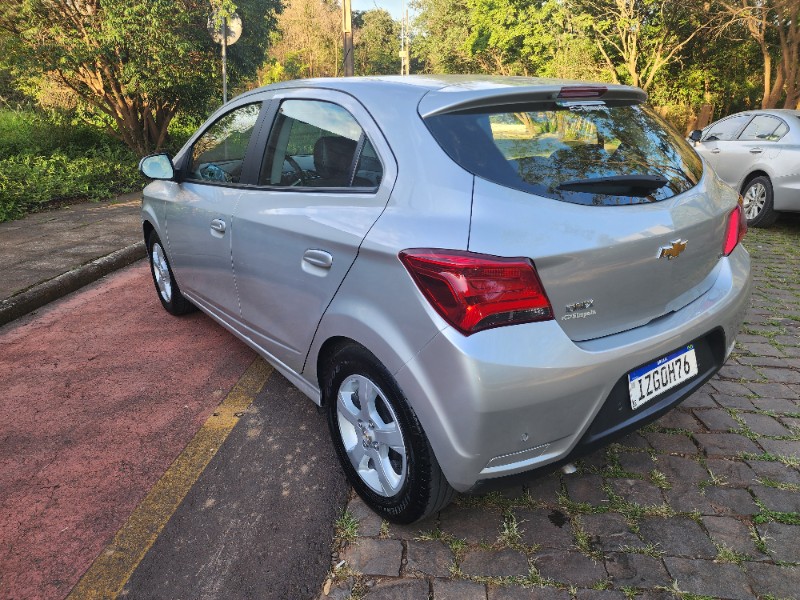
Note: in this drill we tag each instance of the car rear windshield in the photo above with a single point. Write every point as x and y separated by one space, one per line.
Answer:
594 155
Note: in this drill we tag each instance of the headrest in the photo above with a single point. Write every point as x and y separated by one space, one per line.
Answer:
333 156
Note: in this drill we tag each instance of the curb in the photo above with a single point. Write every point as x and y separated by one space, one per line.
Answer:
43 293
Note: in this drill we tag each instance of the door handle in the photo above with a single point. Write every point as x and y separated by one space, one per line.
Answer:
318 258
218 225
756 150
715 151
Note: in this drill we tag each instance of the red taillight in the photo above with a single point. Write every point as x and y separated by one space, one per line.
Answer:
736 228
582 91
476 291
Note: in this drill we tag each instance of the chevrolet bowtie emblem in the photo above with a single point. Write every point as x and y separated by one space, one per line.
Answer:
674 250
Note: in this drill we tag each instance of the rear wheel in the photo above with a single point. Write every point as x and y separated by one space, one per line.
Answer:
379 440
167 288
757 196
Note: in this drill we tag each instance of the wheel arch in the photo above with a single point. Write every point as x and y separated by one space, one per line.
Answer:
147 229
751 176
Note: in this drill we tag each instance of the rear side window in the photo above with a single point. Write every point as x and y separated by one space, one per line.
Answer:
595 156
764 128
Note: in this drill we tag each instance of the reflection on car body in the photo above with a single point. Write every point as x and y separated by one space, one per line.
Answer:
464 271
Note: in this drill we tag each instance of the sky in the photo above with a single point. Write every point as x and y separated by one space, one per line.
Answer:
395 7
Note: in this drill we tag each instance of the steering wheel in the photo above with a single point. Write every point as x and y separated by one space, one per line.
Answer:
301 175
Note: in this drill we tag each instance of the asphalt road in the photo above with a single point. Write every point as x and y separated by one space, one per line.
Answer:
104 393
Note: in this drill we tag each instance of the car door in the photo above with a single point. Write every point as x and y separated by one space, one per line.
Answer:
200 216
720 147
326 176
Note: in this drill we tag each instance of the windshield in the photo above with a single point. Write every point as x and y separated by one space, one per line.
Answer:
595 155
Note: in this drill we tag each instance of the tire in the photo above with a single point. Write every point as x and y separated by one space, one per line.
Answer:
167 288
757 194
379 441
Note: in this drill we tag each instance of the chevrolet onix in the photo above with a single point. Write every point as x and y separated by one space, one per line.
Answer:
475 276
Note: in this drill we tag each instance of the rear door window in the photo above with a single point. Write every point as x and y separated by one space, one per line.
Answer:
726 129
764 128
596 156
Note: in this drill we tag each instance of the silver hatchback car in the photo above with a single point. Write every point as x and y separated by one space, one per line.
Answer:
477 277
758 154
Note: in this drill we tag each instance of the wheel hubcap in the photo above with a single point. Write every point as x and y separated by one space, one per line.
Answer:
371 435
754 199
161 272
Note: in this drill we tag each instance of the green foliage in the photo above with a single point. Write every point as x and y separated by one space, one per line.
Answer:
375 40
44 162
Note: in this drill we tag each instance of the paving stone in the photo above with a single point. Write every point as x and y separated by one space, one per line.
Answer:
791 422
634 440
777 500
428 558
677 537
545 527
780 447
375 557
730 501
369 523
779 582
733 534
609 532
775 471
655 595
744 338
771 391
407 532
637 491
680 469
763 424
730 387
458 590
708 578
738 372
671 443
495 563
515 592
586 489
733 473
761 349
685 496
789 351
600 595
474 525
725 444
639 463
762 361
716 419
775 405
781 375
782 541
701 399
679 419
740 402
545 489
636 570
403 589
570 568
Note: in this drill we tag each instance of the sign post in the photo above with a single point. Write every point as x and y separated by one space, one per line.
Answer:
225 31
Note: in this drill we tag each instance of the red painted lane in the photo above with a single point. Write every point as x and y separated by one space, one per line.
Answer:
99 393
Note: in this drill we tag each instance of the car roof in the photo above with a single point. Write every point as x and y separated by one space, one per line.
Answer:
438 94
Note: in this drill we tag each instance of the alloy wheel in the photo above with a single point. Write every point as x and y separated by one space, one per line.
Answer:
161 272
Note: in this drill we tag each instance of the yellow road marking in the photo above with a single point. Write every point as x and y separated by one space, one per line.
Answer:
115 565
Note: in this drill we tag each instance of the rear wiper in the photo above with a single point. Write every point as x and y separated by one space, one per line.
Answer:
616 185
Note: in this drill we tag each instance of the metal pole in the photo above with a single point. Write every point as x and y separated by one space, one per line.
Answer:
347 29
224 60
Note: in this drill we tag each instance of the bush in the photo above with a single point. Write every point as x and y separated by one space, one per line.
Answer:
43 161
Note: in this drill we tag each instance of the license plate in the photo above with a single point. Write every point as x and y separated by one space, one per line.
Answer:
645 383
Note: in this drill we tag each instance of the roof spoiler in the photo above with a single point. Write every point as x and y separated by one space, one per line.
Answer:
465 98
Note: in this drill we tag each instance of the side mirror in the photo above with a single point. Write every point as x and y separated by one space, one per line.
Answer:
157 166
696 135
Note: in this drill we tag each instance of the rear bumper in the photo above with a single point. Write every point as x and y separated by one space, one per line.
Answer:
515 399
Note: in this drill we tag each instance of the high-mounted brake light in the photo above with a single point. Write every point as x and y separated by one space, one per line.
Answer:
736 228
582 91
473 291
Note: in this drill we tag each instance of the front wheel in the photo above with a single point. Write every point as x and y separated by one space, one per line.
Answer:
757 195
167 288
379 440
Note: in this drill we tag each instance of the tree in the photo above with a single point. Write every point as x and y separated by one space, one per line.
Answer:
638 38
774 25
135 61
376 38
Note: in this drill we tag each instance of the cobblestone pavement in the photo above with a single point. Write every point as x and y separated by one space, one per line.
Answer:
703 503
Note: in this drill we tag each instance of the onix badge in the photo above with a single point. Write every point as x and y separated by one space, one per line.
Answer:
674 250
